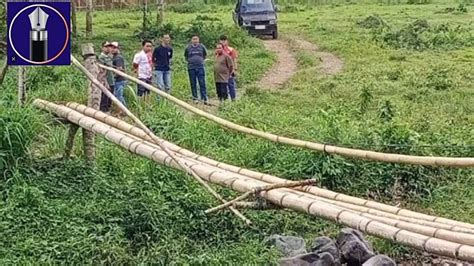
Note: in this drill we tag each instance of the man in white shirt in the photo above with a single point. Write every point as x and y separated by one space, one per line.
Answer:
142 65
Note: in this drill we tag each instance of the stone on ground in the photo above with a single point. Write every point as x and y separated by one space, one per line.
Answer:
326 244
354 249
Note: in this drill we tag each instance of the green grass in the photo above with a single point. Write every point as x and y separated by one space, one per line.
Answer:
125 209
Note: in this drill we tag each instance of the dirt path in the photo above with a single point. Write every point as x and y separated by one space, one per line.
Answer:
286 65
283 70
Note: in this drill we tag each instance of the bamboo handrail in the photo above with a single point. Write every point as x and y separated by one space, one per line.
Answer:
365 206
330 149
154 138
277 196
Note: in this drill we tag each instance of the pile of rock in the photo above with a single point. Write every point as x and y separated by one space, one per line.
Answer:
350 249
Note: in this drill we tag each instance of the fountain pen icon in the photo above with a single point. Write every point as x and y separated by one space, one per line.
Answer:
38 35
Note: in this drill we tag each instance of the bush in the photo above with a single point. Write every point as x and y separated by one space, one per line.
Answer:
372 22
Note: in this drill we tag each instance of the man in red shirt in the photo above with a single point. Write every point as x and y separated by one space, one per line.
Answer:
231 85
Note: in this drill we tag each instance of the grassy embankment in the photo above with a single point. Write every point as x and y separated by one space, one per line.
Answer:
127 209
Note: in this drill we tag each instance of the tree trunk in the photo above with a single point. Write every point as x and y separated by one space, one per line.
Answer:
93 99
73 20
145 11
21 85
3 71
160 14
89 11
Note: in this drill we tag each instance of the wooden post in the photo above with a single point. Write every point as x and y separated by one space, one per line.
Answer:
21 85
93 99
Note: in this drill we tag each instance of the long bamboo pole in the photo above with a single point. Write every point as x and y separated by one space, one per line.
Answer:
277 196
358 204
330 149
154 138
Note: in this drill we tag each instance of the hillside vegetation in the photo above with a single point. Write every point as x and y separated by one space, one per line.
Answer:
406 88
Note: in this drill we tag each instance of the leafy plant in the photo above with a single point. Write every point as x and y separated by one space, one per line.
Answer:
372 22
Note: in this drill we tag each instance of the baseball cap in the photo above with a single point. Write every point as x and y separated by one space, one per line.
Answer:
115 44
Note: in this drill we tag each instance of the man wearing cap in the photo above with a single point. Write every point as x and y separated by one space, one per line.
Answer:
119 64
105 58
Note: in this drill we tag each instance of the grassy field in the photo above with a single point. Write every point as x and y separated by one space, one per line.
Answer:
405 88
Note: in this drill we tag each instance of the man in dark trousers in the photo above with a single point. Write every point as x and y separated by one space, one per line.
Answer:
195 54
119 64
162 56
105 58
232 52
223 68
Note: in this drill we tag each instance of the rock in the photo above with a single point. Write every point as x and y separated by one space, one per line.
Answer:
310 259
379 260
354 249
326 244
288 245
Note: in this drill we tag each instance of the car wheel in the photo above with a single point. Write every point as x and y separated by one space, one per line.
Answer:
275 35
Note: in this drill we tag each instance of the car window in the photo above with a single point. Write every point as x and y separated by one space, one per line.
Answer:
257 5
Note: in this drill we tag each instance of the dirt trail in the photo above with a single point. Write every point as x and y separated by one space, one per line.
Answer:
283 70
286 65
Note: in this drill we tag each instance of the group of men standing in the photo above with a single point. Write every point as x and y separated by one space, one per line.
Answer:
158 61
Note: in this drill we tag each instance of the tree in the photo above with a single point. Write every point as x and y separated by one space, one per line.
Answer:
160 14
73 20
89 11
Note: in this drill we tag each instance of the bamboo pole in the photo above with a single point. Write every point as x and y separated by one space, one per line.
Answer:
347 152
426 230
257 190
358 204
276 196
155 139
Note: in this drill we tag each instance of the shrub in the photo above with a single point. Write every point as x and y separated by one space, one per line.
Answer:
372 22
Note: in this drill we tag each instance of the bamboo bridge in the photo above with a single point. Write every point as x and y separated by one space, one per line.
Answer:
436 235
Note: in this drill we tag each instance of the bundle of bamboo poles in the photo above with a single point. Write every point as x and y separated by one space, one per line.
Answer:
433 234
330 149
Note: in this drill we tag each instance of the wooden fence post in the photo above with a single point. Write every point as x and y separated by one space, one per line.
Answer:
93 99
